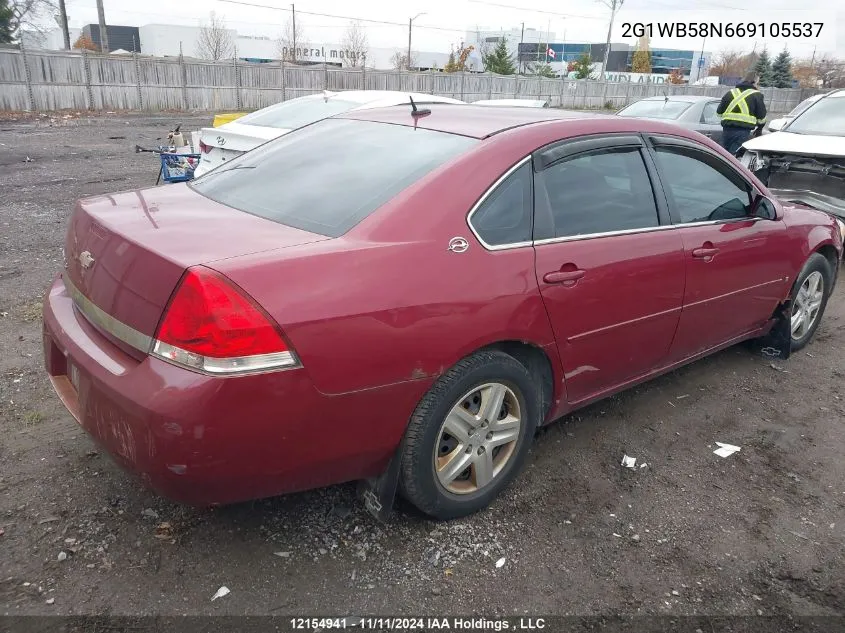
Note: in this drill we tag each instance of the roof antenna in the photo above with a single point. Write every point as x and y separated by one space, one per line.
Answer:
415 111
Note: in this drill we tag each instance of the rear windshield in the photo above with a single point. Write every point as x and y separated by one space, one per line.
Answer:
297 113
657 109
329 176
826 117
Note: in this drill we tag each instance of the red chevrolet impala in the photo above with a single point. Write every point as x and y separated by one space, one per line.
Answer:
403 298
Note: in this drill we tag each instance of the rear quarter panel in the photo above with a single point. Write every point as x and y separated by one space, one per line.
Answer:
389 302
810 230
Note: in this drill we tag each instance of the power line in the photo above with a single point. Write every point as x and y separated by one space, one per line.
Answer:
560 15
343 17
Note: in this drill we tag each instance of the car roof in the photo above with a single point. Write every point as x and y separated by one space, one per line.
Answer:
690 98
476 121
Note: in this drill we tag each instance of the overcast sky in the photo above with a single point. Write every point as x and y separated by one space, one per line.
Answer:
568 20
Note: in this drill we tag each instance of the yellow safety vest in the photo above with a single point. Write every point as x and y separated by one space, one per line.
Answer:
740 104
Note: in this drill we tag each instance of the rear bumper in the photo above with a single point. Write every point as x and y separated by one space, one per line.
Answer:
205 440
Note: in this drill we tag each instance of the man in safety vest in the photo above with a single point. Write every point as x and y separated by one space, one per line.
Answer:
742 110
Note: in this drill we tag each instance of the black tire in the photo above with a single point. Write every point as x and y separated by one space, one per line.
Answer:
816 263
418 481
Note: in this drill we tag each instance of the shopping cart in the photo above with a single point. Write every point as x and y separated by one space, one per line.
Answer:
175 167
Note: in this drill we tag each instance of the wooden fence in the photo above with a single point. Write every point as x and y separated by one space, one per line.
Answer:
47 81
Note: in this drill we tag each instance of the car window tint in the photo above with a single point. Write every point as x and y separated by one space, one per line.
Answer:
327 177
296 113
701 187
505 215
709 115
598 192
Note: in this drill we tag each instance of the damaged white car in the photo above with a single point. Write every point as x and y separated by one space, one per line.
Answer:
804 162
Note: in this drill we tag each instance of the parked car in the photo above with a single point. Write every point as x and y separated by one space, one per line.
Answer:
220 144
778 124
692 112
805 161
517 103
404 299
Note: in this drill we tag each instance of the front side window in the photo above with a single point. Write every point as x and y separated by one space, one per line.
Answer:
505 215
709 115
701 187
596 192
327 177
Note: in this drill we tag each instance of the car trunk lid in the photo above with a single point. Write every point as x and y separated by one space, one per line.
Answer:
125 253
239 136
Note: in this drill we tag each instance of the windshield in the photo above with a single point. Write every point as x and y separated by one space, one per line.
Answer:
656 109
327 177
826 117
806 103
298 113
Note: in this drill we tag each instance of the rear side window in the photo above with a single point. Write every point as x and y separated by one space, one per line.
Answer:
597 192
505 215
327 177
709 115
297 113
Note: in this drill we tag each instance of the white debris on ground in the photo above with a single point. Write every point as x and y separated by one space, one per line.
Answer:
726 450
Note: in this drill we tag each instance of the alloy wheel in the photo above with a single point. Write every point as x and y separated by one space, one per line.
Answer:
477 438
807 305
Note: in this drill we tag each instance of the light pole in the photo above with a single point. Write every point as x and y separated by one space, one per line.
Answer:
614 6
410 26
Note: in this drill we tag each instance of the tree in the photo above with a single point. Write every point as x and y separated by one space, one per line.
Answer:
641 61
355 44
544 70
782 70
499 60
28 14
458 59
7 16
831 72
215 42
86 43
292 42
675 77
451 65
583 66
763 68
399 61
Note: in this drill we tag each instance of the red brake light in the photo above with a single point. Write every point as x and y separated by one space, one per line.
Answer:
205 149
213 326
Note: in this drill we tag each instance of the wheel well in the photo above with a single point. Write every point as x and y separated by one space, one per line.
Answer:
830 254
536 362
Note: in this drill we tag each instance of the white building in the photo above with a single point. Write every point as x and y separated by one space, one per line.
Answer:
162 40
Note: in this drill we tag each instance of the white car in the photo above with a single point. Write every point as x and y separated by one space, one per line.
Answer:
778 124
220 144
804 162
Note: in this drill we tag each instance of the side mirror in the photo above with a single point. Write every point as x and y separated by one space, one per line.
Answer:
775 125
764 208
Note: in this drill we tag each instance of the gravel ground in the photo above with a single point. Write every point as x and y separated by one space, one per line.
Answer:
690 533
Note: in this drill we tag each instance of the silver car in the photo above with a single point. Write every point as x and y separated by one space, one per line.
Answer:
693 112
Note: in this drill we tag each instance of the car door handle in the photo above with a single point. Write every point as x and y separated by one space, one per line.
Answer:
704 253
568 277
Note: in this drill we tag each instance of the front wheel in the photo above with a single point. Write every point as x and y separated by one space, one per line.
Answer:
469 436
809 298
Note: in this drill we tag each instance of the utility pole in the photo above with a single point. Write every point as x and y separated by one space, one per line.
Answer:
410 26
104 36
293 54
614 6
519 50
63 24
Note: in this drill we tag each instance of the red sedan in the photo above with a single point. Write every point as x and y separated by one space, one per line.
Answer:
404 298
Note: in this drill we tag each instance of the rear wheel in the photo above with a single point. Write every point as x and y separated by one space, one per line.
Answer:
809 298
469 435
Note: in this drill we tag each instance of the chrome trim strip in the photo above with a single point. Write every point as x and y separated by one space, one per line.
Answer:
106 322
591 236
481 201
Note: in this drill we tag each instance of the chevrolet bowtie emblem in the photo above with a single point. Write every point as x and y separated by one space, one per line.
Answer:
86 260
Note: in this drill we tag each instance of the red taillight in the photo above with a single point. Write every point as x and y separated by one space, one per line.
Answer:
205 149
213 326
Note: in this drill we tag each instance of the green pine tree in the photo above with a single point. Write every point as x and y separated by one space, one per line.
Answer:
782 70
7 17
582 67
545 70
451 65
763 68
499 60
